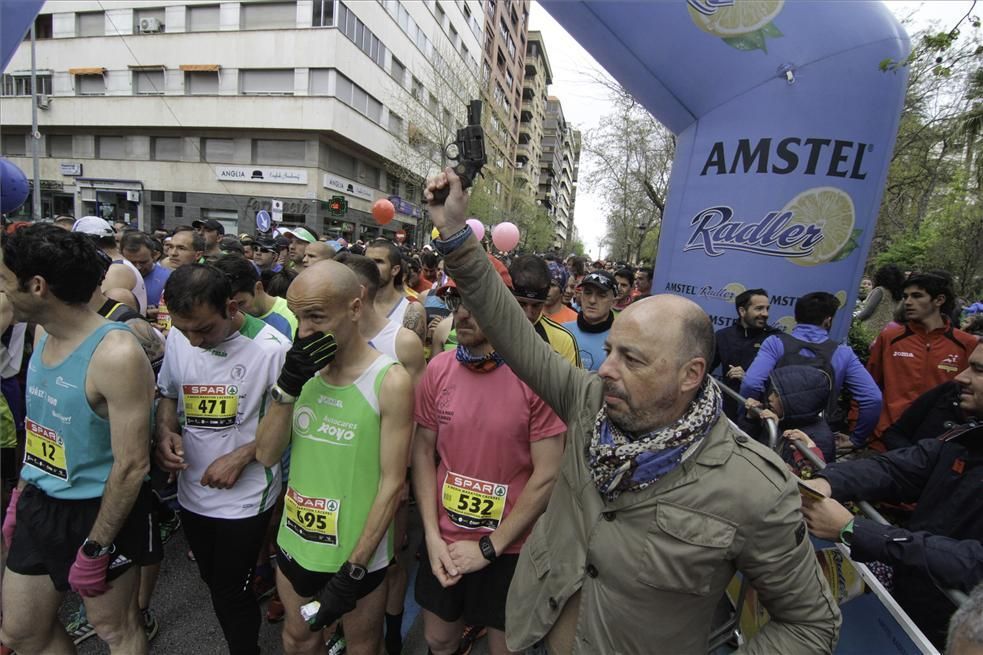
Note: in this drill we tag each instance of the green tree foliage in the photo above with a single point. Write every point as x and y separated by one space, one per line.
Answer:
630 161
930 212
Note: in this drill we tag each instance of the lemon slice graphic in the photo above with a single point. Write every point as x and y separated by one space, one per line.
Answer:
735 288
829 209
786 323
742 17
841 296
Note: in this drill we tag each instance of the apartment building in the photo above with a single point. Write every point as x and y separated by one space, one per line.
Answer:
558 164
538 76
163 112
502 72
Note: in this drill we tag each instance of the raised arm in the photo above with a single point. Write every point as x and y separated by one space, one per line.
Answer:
552 377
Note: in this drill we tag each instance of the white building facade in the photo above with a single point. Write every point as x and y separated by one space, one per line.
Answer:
160 113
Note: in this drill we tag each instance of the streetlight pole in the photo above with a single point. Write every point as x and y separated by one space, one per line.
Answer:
35 135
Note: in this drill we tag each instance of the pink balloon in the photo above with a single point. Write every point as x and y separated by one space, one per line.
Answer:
477 227
505 236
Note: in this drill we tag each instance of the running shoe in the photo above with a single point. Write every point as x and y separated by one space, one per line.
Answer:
471 634
79 628
169 527
150 625
275 610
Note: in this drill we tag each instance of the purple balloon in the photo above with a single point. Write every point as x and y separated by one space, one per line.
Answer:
505 236
477 227
13 187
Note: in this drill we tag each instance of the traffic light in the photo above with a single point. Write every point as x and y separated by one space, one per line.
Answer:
337 206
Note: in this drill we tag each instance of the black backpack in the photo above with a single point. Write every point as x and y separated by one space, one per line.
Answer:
823 360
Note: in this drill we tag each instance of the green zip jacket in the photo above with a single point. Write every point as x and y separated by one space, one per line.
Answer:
644 573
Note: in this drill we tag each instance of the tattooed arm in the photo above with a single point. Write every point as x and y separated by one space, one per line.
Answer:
150 340
415 320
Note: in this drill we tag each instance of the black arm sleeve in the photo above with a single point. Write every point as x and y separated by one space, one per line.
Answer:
950 563
897 476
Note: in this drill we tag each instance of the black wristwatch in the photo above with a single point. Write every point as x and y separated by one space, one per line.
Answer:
354 571
487 548
91 548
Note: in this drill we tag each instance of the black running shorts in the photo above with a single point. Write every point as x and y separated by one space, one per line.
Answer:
308 584
50 530
478 598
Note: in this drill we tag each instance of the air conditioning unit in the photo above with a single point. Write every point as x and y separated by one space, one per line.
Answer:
150 25
43 101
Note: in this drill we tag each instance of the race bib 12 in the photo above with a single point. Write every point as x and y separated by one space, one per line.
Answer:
45 450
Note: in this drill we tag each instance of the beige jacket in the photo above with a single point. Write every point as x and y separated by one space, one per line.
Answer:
650 566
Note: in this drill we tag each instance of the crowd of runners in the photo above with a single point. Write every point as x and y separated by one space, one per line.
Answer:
583 484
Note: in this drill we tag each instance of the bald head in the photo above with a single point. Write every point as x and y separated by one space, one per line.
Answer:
317 252
659 353
692 334
327 280
325 297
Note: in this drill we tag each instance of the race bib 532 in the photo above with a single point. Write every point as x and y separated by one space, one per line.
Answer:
472 503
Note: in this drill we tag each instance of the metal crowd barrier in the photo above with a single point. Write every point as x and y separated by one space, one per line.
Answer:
957 597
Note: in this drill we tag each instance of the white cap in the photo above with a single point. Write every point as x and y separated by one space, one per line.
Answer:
301 233
93 225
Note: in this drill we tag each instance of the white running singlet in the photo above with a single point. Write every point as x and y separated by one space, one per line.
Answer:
221 395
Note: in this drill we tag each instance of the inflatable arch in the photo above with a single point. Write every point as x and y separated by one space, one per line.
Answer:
785 123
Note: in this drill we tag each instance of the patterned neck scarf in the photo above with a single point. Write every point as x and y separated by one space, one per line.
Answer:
479 363
621 462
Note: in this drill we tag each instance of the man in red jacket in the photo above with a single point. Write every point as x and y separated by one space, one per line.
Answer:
926 350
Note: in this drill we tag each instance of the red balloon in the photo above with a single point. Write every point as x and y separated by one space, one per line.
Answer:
383 211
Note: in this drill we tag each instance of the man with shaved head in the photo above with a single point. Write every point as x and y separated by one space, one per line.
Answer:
346 411
660 501
317 252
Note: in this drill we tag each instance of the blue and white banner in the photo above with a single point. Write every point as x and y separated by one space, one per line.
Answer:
786 119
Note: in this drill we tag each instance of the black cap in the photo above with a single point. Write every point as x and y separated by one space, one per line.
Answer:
231 244
602 280
265 243
209 224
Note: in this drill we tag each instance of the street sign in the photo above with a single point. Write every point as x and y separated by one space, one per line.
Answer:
263 221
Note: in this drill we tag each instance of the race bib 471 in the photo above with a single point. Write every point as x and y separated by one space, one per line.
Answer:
210 405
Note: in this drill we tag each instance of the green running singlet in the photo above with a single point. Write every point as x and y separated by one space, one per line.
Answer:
334 472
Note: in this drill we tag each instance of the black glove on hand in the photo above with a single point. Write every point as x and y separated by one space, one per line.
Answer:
306 357
338 598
